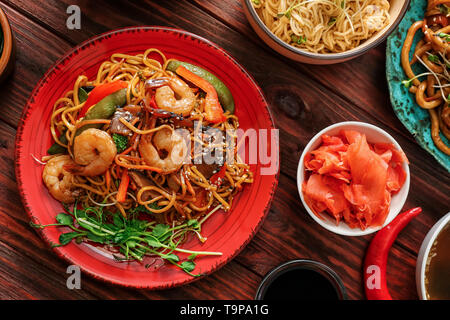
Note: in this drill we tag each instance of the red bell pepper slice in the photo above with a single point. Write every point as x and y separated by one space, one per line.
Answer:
100 92
213 109
218 177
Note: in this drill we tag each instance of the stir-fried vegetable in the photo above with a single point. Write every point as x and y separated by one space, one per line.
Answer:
123 186
104 109
135 238
213 110
224 94
101 92
120 141
57 148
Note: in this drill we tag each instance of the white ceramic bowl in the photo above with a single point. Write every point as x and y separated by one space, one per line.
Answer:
424 253
373 134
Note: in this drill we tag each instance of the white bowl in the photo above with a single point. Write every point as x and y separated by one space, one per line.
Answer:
373 134
424 253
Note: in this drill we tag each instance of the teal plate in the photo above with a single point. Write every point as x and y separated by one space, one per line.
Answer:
413 117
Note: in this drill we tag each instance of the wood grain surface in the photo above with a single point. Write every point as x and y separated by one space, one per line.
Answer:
303 100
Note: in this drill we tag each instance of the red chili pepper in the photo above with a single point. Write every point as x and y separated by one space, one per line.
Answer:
213 109
437 19
375 263
218 177
100 92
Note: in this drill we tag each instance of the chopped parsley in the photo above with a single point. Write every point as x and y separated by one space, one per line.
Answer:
298 39
120 141
433 58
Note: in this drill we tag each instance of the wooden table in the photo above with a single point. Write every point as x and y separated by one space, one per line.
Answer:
303 100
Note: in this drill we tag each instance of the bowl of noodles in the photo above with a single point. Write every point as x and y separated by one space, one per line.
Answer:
137 177
417 69
324 31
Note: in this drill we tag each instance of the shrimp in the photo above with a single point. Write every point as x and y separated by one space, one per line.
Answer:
164 150
166 97
94 151
58 180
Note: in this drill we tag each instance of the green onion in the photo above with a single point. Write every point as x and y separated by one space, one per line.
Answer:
332 21
298 40
433 58
287 13
444 36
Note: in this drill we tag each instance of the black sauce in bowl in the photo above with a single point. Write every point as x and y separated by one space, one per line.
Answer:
301 280
1 41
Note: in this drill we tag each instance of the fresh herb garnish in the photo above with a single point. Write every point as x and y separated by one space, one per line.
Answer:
298 40
332 21
133 237
343 4
257 2
444 36
287 13
433 58
120 141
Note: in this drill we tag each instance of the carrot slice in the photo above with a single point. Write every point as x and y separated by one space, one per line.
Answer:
123 187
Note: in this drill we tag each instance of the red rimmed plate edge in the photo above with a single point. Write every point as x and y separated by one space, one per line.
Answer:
25 113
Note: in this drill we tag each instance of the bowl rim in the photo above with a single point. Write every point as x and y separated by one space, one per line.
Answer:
316 266
300 178
424 252
7 41
327 56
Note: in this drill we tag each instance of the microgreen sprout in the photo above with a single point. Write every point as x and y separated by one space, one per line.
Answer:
135 238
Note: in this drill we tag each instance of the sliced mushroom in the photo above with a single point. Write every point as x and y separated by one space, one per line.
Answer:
142 181
208 170
117 126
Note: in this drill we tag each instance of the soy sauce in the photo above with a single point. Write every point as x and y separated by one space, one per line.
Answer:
301 284
437 274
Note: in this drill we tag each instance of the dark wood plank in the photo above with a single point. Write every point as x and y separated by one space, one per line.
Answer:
36 50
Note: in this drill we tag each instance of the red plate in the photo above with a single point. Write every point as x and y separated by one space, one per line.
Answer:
226 232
